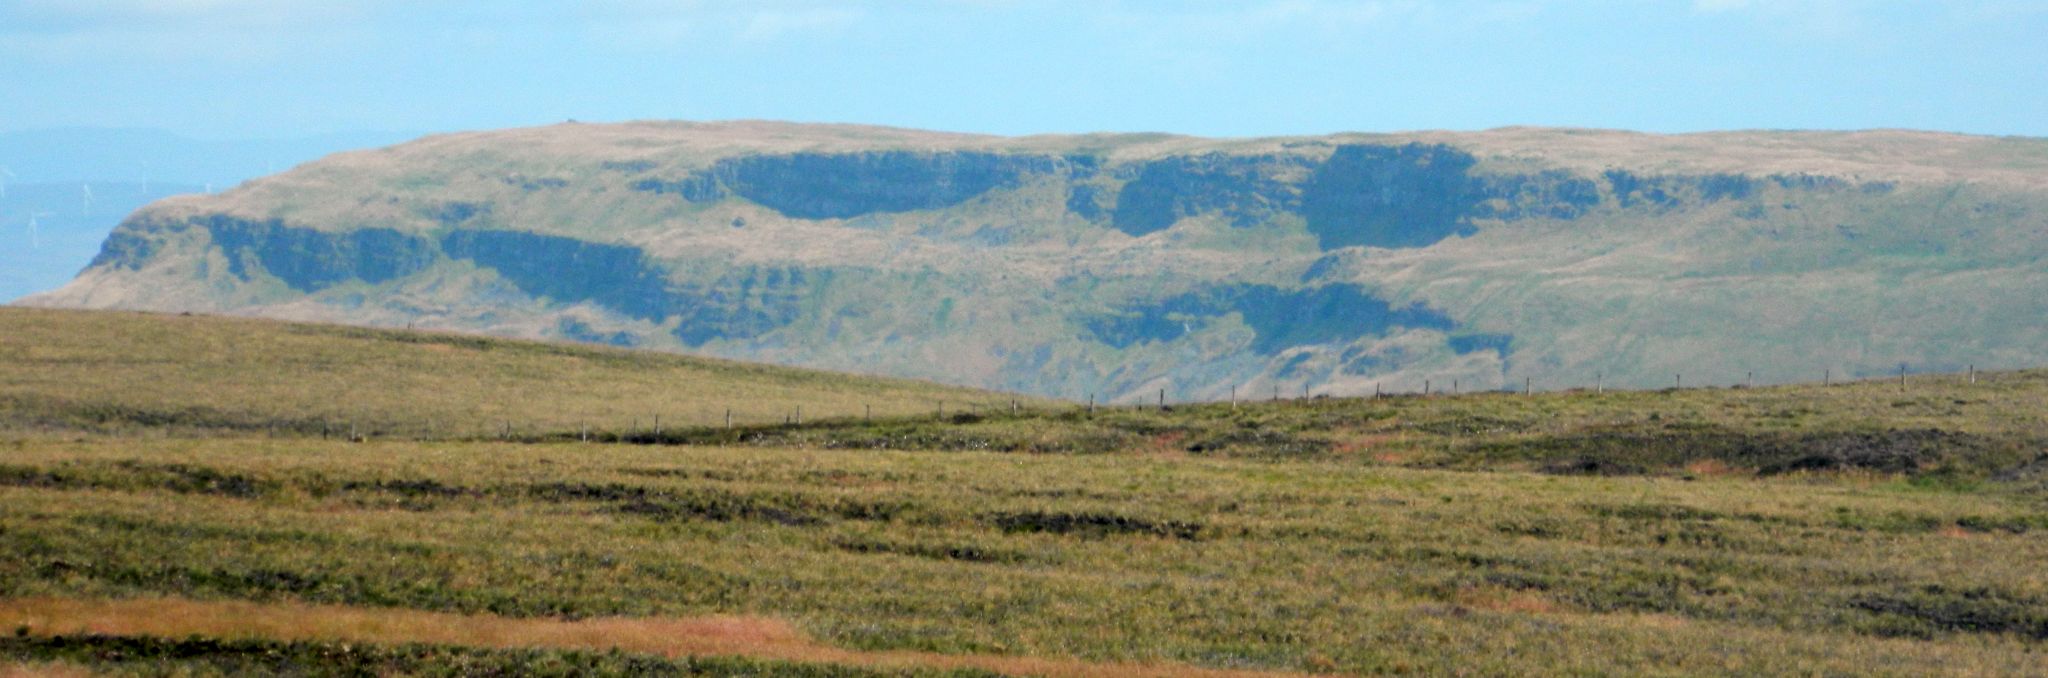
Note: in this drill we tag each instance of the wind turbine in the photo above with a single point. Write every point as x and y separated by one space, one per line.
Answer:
5 174
87 188
35 241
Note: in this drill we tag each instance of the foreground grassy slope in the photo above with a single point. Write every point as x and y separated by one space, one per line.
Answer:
111 655
73 370
1931 428
1307 566
1866 528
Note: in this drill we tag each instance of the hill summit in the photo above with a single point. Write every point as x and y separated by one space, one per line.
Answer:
1123 264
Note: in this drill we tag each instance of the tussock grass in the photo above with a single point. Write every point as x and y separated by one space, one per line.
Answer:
1317 565
68 655
757 638
46 669
131 373
1936 430
1862 528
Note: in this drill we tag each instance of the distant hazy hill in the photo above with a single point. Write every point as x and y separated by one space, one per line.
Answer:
77 184
149 155
1123 264
66 231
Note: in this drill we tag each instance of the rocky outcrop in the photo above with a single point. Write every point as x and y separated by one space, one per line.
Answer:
310 260
1245 190
568 270
1279 318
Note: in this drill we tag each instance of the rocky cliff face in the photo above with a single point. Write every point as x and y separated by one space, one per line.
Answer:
1118 265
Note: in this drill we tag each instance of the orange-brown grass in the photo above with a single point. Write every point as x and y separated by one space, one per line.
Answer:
758 637
42 670
1166 446
1713 468
1374 443
1502 600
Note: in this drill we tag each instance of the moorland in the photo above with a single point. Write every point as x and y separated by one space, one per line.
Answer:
176 496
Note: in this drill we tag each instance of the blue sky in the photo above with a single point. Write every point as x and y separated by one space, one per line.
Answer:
276 68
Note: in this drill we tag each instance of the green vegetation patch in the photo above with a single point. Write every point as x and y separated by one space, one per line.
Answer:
1936 609
1317 564
143 655
130 373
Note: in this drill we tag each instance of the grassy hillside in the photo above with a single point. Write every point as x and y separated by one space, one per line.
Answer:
1932 429
1279 566
128 372
1868 528
1118 264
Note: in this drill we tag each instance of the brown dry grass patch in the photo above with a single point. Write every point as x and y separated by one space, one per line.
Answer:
1500 600
758 637
1712 468
1167 446
42 670
1372 444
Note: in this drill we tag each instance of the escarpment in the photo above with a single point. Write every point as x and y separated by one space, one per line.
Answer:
1118 265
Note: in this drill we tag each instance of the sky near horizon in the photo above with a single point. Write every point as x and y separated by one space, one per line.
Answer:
231 69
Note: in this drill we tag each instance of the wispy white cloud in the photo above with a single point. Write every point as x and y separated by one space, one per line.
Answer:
175 30
1721 6
254 30
769 25
1800 19
1210 21
1848 17
86 15
1196 23
656 26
